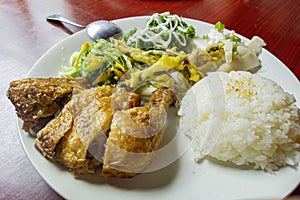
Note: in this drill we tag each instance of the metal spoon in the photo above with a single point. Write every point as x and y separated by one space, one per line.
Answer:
96 30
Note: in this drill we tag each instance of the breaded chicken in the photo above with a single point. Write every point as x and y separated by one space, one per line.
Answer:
135 135
49 136
76 136
40 98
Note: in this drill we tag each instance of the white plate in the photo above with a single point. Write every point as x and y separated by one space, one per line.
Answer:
184 179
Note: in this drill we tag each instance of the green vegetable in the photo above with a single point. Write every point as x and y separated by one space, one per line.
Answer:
220 26
129 34
234 38
205 37
191 32
163 38
100 62
172 22
162 31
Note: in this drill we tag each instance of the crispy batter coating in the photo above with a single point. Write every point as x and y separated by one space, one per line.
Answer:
67 139
132 133
135 135
48 137
38 98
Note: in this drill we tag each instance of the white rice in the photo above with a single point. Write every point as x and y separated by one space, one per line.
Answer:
242 118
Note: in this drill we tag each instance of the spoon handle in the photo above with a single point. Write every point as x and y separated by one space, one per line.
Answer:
60 18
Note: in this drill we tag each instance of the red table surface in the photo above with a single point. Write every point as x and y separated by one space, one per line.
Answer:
25 36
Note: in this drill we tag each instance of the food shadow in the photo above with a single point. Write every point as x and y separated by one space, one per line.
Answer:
229 164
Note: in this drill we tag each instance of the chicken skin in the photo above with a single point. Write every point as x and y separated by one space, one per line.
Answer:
72 139
36 99
135 136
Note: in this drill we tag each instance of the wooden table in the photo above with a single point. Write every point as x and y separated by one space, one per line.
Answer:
25 36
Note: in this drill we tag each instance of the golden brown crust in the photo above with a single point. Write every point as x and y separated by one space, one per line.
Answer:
48 137
67 139
135 132
123 100
163 96
135 135
72 153
37 98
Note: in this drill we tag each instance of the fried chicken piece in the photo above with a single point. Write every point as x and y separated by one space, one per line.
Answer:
72 154
49 136
135 136
36 99
76 136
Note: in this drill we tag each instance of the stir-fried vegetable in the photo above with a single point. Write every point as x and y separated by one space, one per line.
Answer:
220 26
152 55
162 31
100 62
221 50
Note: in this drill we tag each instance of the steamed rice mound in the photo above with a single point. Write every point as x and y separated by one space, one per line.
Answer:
242 118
